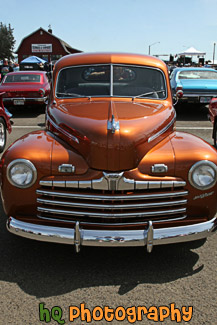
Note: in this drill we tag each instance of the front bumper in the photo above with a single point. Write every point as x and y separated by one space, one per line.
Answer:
113 238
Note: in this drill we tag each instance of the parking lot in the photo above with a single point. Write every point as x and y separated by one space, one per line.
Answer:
37 272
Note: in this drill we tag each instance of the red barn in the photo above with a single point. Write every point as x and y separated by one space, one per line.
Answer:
45 45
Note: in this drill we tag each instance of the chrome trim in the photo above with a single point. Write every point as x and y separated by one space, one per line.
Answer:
150 236
54 203
61 130
116 182
159 168
113 197
155 184
141 185
198 95
25 99
99 184
77 237
111 206
66 168
112 238
168 184
113 125
85 184
71 184
113 180
110 215
156 135
55 218
46 183
59 184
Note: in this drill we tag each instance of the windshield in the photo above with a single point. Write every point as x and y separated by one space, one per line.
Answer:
23 78
197 74
111 80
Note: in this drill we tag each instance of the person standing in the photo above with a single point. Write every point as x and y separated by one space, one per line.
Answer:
5 68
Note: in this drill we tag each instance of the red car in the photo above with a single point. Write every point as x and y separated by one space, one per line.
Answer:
25 88
213 118
5 124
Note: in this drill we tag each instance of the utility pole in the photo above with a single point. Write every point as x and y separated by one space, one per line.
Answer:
214 53
149 47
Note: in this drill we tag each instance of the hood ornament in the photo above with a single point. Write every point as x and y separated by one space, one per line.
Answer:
113 125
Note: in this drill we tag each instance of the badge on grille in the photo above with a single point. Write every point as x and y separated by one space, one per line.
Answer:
113 180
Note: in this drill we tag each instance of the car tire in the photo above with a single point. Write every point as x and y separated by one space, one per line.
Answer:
3 135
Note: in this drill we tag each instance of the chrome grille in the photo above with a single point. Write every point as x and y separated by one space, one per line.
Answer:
94 202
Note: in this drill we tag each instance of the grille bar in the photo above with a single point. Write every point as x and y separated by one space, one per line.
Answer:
111 206
111 215
121 184
103 197
124 223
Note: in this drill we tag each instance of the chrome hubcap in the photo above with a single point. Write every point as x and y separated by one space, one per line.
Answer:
2 135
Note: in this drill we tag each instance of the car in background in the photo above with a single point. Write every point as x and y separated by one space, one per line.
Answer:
5 124
212 115
199 85
24 88
110 169
16 68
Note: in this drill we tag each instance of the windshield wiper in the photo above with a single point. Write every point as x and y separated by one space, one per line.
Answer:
149 93
73 94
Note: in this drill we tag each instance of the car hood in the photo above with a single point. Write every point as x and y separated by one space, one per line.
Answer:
111 135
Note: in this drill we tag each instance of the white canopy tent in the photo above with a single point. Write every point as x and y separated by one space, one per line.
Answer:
192 52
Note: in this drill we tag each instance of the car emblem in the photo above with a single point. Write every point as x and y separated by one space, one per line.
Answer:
113 180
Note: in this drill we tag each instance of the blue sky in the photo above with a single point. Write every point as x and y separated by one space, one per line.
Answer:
120 25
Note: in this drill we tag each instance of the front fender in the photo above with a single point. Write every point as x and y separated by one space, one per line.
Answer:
46 152
36 147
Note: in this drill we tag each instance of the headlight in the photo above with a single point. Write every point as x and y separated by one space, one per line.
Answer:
202 175
21 173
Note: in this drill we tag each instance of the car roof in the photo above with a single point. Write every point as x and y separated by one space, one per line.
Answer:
109 57
26 72
193 69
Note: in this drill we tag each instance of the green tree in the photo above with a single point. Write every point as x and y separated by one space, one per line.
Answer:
7 41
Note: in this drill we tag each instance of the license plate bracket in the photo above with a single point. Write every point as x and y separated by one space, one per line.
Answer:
18 102
205 100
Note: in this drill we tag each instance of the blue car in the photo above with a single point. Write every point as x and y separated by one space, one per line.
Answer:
199 85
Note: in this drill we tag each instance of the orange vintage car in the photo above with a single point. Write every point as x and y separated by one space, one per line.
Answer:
110 168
